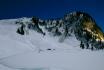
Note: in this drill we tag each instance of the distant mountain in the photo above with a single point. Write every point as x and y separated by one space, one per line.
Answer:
85 29
79 24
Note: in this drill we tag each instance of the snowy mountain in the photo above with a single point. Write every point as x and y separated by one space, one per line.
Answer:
78 24
85 30
55 44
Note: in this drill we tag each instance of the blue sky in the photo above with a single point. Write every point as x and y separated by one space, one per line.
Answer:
51 8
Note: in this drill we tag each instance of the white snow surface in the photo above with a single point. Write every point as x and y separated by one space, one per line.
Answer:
29 52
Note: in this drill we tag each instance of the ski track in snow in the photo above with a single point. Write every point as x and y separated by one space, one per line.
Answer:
29 52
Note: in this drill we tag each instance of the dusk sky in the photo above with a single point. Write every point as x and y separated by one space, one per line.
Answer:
51 8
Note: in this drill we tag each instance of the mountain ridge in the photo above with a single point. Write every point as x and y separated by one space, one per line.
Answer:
77 23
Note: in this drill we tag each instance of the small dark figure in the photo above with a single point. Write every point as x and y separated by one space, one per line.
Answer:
87 46
82 45
49 49
92 48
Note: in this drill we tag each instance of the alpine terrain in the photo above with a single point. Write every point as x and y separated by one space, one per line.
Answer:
74 42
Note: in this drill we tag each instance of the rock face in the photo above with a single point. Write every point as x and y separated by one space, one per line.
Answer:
86 30
79 24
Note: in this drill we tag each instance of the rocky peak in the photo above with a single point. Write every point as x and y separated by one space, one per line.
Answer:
79 24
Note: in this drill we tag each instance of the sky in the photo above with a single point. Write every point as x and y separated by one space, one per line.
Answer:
51 8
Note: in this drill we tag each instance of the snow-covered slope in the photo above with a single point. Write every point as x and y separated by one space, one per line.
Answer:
34 51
